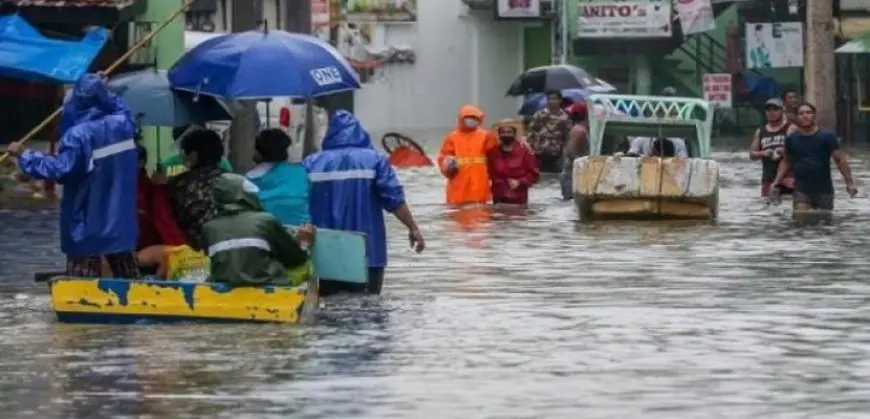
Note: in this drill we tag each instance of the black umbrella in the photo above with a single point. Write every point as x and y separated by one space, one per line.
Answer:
557 77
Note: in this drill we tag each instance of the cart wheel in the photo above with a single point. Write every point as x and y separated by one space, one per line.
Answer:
394 140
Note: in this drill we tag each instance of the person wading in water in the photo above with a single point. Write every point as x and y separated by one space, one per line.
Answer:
768 145
808 153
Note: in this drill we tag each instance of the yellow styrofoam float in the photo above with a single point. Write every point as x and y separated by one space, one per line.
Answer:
645 187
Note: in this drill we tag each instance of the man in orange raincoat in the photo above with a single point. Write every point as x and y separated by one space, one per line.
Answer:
463 159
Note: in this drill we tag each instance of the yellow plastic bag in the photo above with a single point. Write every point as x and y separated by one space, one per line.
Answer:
185 264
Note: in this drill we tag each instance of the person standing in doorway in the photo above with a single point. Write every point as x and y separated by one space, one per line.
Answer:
548 133
768 145
808 154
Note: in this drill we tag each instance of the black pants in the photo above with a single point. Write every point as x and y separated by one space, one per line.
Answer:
374 286
550 163
816 201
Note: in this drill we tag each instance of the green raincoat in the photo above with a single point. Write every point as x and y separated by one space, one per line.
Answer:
247 245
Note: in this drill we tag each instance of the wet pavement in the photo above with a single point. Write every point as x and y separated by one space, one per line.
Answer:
506 315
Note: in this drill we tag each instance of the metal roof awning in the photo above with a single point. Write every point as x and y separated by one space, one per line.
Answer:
98 12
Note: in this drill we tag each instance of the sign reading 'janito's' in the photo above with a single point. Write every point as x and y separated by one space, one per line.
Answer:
624 20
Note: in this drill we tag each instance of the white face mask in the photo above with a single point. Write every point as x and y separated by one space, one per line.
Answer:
469 123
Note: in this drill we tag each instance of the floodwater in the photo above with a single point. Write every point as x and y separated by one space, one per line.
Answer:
504 316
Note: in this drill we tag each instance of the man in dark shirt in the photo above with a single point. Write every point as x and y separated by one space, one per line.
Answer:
808 153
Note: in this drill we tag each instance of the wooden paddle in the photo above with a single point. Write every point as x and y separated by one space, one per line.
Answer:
114 66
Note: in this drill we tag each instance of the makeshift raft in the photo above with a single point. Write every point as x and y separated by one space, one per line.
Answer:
647 187
145 301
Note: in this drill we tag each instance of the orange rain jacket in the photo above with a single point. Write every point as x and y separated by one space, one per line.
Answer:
470 183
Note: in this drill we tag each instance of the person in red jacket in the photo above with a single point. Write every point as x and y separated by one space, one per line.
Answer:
513 168
158 228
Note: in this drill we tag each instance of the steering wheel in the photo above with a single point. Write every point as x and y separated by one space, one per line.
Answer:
394 140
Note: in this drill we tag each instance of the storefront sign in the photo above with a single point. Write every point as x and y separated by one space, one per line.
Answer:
774 45
624 20
397 11
320 19
517 9
717 89
695 16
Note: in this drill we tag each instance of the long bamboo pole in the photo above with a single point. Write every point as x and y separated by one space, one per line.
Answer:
114 66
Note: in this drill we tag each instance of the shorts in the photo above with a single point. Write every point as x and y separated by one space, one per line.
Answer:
550 163
374 286
121 265
816 201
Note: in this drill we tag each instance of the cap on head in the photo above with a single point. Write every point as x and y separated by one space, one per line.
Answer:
774 103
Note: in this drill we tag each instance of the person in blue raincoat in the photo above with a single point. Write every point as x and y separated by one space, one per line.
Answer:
352 184
97 165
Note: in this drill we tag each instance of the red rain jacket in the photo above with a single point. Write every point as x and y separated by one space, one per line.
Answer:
157 224
519 164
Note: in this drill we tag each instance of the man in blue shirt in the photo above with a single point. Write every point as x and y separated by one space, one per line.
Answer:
808 153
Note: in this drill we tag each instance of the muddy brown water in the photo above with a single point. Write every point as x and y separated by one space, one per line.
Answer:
506 315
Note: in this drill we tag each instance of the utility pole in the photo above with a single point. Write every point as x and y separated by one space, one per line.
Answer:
819 65
298 20
243 130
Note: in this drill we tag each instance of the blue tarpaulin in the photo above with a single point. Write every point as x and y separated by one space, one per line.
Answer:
27 55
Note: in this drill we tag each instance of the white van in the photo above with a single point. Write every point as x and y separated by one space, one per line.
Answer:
279 112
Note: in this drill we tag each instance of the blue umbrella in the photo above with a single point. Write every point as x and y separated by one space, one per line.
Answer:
153 102
537 101
257 65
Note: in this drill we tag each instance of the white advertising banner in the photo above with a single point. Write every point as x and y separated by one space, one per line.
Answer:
624 20
774 45
717 89
696 16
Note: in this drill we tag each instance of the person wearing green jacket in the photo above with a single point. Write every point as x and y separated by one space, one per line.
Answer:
247 245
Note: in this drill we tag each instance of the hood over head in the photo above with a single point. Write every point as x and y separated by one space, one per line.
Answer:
345 131
469 111
88 100
234 194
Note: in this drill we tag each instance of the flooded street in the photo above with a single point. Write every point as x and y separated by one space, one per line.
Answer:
504 316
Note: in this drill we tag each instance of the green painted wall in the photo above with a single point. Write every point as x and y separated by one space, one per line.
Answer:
168 46
537 45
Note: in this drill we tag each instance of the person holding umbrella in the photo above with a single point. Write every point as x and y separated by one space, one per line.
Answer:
548 133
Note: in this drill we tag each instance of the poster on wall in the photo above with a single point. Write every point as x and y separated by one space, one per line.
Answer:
380 11
717 89
696 16
774 45
517 9
320 19
624 20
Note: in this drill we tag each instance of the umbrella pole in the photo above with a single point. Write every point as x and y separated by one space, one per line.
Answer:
309 146
114 66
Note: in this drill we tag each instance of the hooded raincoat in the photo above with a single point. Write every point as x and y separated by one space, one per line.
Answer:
469 184
247 245
97 164
352 184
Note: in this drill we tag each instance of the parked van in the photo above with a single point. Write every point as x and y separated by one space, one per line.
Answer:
278 112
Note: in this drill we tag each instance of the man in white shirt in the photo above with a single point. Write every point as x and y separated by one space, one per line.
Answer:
643 146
